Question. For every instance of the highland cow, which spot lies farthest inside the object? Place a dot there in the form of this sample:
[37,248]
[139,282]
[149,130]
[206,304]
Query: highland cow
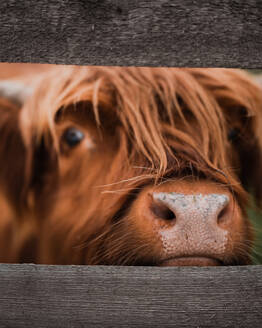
[130,166]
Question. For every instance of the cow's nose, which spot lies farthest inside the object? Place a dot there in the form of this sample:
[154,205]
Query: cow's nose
[191,210]
[188,223]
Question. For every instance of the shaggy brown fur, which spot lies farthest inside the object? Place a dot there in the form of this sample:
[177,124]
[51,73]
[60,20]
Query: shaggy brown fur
[143,127]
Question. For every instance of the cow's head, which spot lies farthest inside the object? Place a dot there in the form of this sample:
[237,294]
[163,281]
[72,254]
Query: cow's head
[143,166]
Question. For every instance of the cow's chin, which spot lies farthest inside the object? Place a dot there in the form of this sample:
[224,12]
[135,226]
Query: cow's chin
[191,261]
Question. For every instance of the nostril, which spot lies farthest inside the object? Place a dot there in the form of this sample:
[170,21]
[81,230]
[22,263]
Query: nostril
[223,214]
[163,212]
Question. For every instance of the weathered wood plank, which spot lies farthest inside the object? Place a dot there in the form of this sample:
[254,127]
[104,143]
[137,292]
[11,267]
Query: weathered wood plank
[142,33]
[97,296]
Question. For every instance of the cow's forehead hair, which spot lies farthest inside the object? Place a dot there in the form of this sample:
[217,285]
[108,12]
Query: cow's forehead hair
[147,102]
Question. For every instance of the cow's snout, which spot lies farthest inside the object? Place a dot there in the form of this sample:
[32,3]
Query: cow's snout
[197,224]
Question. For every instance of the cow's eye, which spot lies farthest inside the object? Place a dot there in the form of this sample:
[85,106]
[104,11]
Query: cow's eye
[233,134]
[73,136]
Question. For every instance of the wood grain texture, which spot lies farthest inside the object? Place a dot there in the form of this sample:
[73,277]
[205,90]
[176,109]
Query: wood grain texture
[97,296]
[141,33]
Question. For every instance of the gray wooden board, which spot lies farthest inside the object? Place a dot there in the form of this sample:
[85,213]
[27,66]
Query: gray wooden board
[100,296]
[138,32]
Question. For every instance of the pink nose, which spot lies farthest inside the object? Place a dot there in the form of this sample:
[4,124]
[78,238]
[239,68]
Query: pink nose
[192,225]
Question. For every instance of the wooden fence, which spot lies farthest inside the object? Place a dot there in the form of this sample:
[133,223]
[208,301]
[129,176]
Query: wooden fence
[142,33]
